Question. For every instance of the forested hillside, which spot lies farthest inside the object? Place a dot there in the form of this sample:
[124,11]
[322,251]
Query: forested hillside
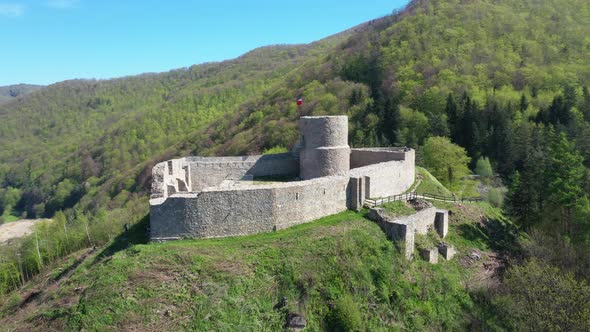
[392,76]
[76,135]
[504,79]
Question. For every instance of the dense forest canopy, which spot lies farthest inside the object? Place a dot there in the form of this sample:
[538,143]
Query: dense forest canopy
[507,80]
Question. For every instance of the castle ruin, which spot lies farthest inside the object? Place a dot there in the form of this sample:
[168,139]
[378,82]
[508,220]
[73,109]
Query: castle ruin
[206,197]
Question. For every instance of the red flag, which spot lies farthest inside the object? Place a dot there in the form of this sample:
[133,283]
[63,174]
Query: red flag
[299,102]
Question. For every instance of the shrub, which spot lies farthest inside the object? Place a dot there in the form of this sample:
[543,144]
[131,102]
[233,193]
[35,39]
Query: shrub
[483,167]
[346,315]
[495,197]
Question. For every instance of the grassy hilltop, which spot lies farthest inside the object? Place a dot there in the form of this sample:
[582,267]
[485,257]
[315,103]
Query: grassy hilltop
[339,272]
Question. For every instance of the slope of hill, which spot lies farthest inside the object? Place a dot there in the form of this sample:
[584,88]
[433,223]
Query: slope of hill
[11,92]
[340,272]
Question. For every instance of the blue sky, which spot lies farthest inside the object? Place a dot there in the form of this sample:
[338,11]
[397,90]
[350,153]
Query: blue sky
[47,41]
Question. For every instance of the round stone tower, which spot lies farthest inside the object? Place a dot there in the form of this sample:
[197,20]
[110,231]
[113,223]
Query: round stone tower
[324,146]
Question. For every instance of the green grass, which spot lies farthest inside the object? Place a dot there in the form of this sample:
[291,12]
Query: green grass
[9,217]
[466,188]
[430,184]
[481,226]
[426,241]
[398,209]
[333,271]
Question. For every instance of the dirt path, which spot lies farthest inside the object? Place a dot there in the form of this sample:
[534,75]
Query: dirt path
[416,184]
[17,229]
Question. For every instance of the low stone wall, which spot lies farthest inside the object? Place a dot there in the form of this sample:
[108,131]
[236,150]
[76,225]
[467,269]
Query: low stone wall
[210,172]
[197,173]
[402,230]
[253,209]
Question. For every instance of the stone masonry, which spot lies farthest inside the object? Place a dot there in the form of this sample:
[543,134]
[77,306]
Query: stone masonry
[200,197]
[403,230]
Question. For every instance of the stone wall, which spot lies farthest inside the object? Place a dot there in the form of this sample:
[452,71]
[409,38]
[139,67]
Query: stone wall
[197,173]
[253,209]
[387,178]
[188,201]
[170,177]
[403,229]
[309,200]
[393,173]
[211,172]
[370,156]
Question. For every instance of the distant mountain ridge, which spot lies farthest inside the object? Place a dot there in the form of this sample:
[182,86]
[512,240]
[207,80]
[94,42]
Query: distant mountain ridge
[11,92]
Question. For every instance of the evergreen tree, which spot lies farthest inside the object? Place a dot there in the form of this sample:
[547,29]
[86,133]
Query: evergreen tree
[566,175]
[452,116]
[518,201]
[559,112]
[483,167]
[569,97]
[391,119]
[528,191]
[585,107]
[524,103]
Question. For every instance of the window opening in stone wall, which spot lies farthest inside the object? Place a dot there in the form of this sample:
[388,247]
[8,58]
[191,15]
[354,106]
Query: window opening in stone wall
[297,196]
[170,167]
[185,168]
[171,190]
[181,185]
[324,191]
